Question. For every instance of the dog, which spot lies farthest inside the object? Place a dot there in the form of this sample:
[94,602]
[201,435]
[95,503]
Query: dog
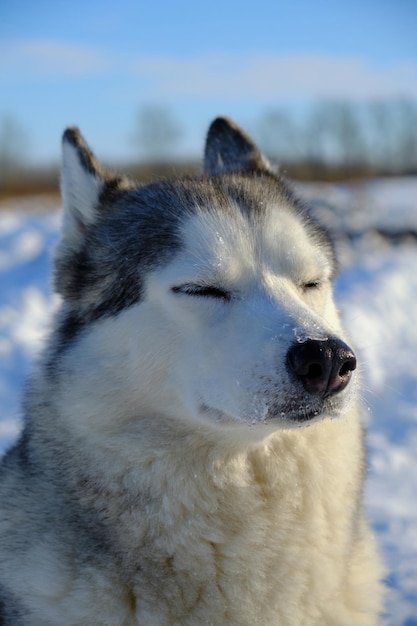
[192,451]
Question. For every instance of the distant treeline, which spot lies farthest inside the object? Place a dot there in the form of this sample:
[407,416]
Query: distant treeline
[343,139]
[331,140]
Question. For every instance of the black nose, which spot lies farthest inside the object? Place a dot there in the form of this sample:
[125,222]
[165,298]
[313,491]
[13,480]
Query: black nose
[323,367]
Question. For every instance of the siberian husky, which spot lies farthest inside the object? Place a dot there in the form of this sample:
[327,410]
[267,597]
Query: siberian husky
[192,451]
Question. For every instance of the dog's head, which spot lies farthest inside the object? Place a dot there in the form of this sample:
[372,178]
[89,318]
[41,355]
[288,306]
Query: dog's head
[203,298]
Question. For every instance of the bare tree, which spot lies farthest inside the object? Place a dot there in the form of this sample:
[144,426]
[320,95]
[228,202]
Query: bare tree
[157,132]
[407,135]
[392,134]
[13,149]
[381,134]
[279,136]
[335,136]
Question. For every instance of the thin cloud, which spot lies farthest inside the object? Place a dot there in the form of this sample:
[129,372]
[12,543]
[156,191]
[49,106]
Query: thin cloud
[256,77]
[50,59]
[276,76]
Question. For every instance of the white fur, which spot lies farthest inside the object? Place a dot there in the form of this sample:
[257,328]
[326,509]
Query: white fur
[248,523]
[238,521]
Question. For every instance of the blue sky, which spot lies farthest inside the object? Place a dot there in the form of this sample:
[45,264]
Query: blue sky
[93,63]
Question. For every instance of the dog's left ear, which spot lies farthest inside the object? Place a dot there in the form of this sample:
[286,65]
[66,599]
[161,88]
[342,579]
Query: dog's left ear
[229,149]
[82,180]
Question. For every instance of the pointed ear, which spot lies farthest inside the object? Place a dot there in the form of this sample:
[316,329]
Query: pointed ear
[229,149]
[82,180]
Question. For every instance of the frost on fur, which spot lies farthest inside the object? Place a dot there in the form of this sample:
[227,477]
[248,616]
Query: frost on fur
[82,180]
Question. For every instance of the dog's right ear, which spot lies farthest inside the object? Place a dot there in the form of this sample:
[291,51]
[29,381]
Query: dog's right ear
[82,180]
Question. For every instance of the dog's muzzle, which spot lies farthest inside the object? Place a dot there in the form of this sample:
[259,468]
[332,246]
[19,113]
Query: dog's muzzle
[323,367]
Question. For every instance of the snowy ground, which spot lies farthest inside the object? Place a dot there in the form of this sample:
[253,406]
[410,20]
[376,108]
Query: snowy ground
[376,226]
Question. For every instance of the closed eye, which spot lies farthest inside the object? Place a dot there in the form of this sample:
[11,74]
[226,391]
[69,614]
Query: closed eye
[203,291]
[313,284]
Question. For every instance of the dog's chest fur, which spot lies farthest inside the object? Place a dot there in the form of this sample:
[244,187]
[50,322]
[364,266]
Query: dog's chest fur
[201,534]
